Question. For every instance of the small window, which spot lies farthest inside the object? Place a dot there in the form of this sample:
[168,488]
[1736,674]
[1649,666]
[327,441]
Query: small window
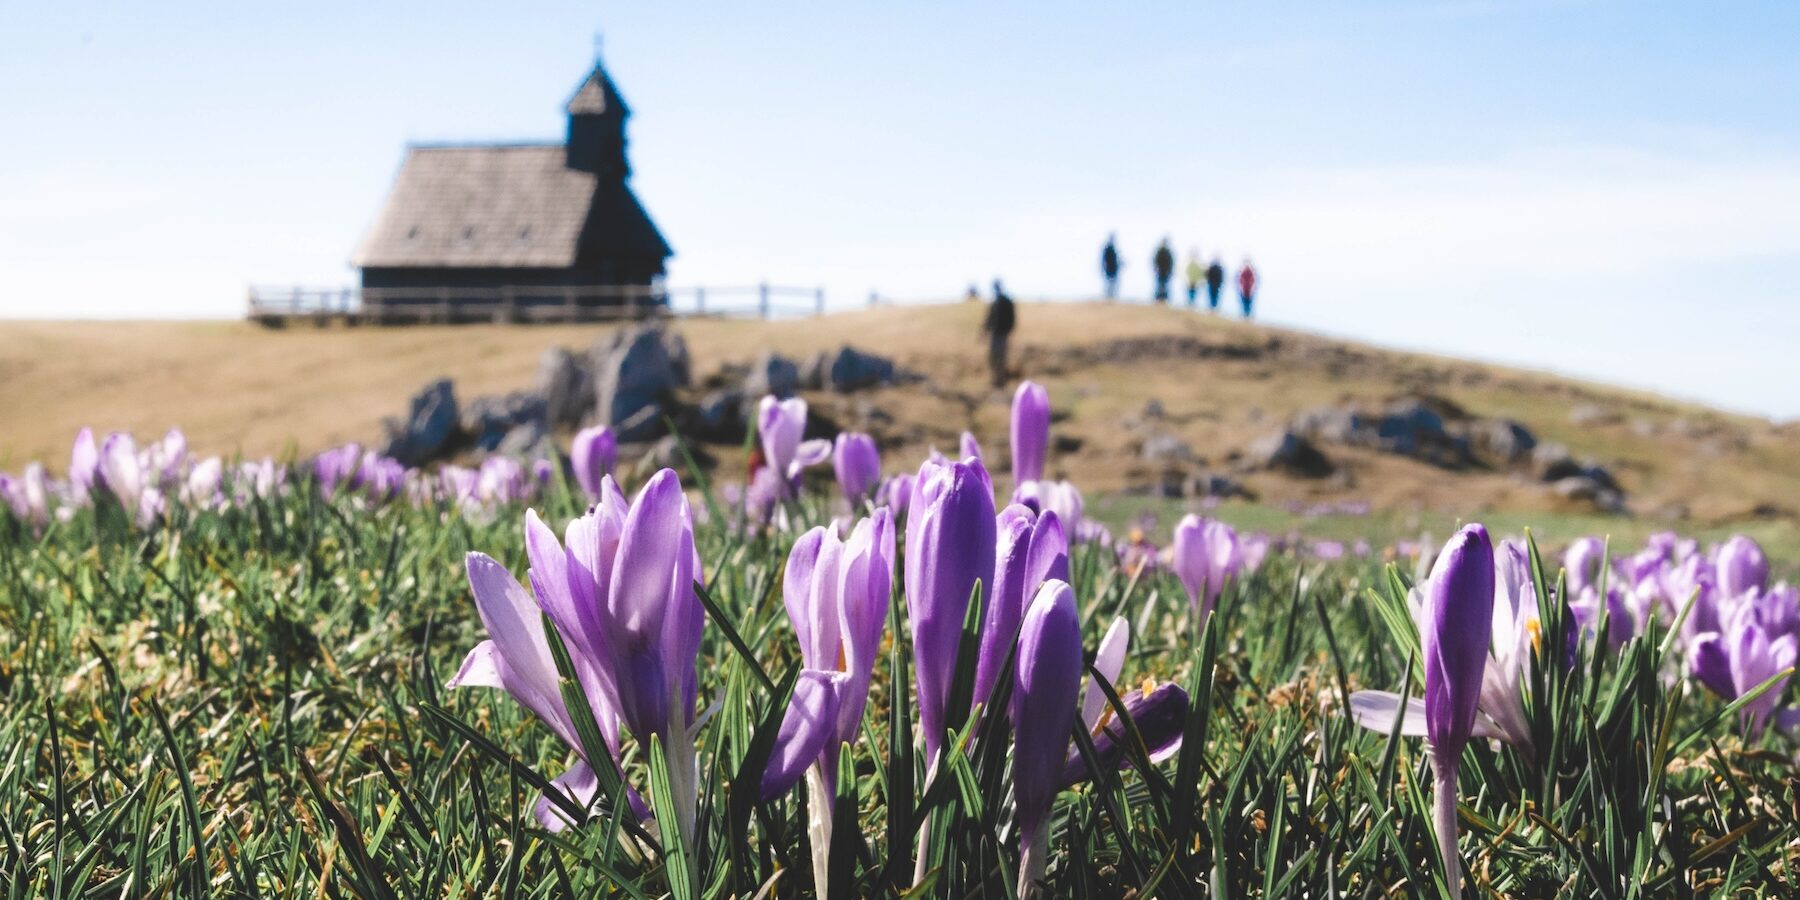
[412,233]
[525,234]
[468,232]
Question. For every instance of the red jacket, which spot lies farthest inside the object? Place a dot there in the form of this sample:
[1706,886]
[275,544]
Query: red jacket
[1246,281]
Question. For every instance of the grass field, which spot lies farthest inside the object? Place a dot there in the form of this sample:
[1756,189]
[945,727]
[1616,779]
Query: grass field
[251,701]
[234,387]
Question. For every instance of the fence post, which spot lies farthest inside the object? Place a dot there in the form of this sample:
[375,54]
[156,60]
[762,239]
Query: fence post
[762,303]
[819,299]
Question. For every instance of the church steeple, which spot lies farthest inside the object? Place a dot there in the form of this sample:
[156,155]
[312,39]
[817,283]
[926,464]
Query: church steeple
[597,117]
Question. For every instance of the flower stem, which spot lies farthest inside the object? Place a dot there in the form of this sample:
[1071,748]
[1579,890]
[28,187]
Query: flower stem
[819,800]
[1443,814]
[1033,858]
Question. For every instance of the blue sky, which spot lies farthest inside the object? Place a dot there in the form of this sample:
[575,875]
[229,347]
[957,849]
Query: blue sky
[1606,189]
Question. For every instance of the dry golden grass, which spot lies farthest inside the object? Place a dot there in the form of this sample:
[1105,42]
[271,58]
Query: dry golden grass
[235,387]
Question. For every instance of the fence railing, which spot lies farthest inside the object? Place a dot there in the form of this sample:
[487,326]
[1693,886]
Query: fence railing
[277,305]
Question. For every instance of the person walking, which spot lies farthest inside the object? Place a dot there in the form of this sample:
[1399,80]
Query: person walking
[999,327]
[1215,282]
[1109,268]
[1247,286]
[1195,274]
[1164,264]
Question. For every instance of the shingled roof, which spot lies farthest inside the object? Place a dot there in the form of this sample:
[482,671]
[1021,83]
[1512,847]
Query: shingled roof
[510,206]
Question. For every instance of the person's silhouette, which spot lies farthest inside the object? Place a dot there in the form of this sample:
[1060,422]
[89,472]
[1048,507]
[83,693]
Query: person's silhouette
[998,327]
[1247,286]
[1109,268]
[1164,264]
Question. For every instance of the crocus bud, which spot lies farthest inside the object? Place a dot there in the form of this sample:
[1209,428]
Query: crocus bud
[84,460]
[858,465]
[1742,567]
[949,547]
[1459,626]
[592,455]
[1030,431]
[1045,686]
[1159,715]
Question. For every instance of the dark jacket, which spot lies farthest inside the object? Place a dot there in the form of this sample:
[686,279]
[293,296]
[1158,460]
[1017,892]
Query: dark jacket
[1215,276]
[1164,262]
[1109,260]
[999,316]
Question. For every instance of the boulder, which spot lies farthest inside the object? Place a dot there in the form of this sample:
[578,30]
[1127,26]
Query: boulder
[720,417]
[1203,484]
[1583,489]
[1286,451]
[635,372]
[852,370]
[774,374]
[1505,441]
[1166,448]
[566,385]
[815,371]
[429,426]
[486,421]
[1590,414]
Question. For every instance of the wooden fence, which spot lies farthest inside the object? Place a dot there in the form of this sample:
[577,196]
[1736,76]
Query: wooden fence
[277,306]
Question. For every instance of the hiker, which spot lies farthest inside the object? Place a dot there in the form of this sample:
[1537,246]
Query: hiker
[1195,274]
[998,328]
[973,296]
[1215,281]
[1247,286]
[1164,264]
[1109,268]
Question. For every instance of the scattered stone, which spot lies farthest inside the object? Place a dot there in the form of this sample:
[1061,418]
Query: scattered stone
[1065,443]
[815,370]
[1203,484]
[1288,452]
[1583,489]
[1166,448]
[1153,410]
[487,421]
[635,370]
[771,374]
[428,428]
[1591,414]
[720,417]
[1504,440]
[527,441]
[852,370]
[566,385]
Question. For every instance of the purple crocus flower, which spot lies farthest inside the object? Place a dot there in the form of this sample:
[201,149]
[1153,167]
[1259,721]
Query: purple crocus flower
[1030,432]
[896,493]
[621,591]
[836,594]
[858,464]
[781,424]
[84,463]
[1204,555]
[1741,566]
[1159,713]
[29,494]
[950,541]
[1581,563]
[1030,549]
[1745,655]
[1109,661]
[334,467]
[1061,497]
[971,447]
[592,454]
[516,658]
[1045,686]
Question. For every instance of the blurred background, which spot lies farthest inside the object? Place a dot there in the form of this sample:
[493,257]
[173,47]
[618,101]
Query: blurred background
[1604,189]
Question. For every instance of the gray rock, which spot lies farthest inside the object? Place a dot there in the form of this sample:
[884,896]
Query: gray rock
[772,374]
[429,426]
[486,421]
[1285,451]
[634,371]
[1153,410]
[853,370]
[1504,440]
[1204,484]
[1166,448]
[1583,489]
[815,371]
[720,417]
[566,385]
[1588,414]
[528,440]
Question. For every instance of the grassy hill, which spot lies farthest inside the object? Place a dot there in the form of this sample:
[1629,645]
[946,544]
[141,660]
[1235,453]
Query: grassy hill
[1220,384]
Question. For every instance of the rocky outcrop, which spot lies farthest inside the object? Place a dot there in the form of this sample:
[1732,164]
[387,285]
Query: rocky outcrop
[429,428]
[636,372]
[1287,452]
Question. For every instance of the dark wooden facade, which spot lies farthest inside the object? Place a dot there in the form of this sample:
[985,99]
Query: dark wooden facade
[481,222]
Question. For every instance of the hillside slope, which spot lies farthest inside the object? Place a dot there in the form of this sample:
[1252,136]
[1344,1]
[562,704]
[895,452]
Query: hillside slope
[1220,385]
